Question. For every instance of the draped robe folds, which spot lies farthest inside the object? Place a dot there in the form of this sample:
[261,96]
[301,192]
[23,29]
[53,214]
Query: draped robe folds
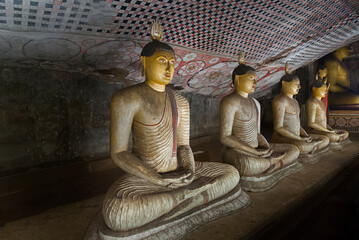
[132,202]
[247,131]
[291,122]
[317,108]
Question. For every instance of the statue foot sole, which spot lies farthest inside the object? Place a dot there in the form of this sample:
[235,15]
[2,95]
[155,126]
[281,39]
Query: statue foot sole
[262,183]
[175,228]
[311,158]
[337,146]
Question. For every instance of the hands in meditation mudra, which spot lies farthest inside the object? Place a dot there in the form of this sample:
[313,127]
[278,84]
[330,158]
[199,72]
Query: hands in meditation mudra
[286,120]
[244,146]
[162,180]
[316,112]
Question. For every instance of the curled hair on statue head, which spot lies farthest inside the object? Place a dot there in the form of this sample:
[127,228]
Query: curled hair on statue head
[241,69]
[318,84]
[288,77]
[154,46]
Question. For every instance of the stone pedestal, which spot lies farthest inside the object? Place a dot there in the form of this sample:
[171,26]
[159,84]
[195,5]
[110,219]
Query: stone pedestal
[267,181]
[338,146]
[175,228]
[311,158]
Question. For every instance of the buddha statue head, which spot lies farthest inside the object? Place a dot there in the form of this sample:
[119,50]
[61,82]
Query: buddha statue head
[342,52]
[320,89]
[322,72]
[158,60]
[244,77]
[290,83]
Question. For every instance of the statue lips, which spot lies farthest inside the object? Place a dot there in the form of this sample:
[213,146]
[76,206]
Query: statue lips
[167,76]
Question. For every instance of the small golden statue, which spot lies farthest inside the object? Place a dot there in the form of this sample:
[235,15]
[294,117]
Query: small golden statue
[317,116]
[259,163]
[340,95]
[286,121]
[162,180]
[322,76]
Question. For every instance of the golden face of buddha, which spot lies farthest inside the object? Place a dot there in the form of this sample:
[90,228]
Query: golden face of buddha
[246,82]
[159,68]
[320,92]
[291,87]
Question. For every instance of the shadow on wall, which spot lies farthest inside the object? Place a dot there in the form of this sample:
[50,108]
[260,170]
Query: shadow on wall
[50,118]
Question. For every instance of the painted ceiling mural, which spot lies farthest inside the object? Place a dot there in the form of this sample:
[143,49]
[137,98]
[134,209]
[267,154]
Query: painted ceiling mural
[91,35]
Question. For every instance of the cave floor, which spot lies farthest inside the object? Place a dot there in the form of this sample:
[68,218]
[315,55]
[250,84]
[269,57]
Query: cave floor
[299,206]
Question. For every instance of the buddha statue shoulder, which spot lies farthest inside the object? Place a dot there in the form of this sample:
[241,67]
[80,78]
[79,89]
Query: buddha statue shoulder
[162,180]
[316,114]
[286,119]
[244,145]
[340,95]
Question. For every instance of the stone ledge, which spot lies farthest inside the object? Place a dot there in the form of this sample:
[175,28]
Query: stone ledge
[277,208]
[268,209]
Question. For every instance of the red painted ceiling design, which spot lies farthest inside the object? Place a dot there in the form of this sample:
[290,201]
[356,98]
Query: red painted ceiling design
[207,35]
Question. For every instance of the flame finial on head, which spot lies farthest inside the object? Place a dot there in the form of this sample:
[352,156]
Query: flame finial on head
[287,68]
[241,58]
[156,30]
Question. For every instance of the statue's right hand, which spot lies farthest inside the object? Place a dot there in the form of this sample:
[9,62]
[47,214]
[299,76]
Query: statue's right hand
[175,179]
[263,152]
[307,138]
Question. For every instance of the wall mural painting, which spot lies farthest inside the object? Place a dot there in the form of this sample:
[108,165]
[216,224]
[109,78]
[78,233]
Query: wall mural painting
[88,36]
[51,49]
[195,71]
[5,45]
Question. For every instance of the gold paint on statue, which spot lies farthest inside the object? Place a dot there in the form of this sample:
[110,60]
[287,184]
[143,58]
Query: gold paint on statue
[244,146]
[317,116]
[158,69]
[161,173]
[340,93]
[322,74]
[286,120]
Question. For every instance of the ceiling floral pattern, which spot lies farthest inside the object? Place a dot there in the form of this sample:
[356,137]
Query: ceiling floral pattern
[92,35]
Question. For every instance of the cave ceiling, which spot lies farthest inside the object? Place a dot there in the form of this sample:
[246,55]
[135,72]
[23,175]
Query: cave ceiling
[93,35]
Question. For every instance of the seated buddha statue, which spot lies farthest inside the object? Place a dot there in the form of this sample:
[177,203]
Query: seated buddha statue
[317,116]
[162,180]
[244,146]
[340,95]
[286,121]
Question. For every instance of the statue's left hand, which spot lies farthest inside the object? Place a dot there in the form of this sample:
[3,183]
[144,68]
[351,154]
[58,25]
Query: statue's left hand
[190,174]
[179,178]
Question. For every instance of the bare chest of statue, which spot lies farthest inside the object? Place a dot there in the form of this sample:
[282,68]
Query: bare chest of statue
[291,106]
[291,119]
[244,109]
[153,106]
[320,113]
